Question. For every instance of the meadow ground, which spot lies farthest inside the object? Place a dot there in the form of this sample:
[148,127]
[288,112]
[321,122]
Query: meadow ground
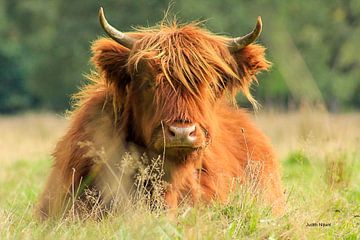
[320,157]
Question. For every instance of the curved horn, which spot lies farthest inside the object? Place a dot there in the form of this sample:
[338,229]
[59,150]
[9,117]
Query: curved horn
[115,34]
[238,43]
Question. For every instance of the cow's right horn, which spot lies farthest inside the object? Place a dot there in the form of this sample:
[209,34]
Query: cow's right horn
[240,42]
[115,34]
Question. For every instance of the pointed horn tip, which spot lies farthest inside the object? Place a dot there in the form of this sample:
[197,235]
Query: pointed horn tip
[101,11]
[101,15]
[259,23]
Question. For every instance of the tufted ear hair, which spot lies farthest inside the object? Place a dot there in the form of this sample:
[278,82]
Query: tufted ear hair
[110,60]
[250,61]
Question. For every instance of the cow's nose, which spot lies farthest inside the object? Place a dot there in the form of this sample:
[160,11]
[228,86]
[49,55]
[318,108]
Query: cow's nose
[182,134]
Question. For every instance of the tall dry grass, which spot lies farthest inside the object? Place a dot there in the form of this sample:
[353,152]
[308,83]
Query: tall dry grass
[316,132]
[29,136]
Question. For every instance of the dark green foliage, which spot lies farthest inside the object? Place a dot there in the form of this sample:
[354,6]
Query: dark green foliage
[13,96]
[313,46]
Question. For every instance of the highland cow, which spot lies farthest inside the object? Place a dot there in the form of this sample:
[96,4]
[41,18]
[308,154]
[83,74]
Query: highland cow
[166,91]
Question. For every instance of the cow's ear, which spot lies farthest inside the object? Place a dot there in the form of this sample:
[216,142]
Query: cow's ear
[250,61]
[110,59]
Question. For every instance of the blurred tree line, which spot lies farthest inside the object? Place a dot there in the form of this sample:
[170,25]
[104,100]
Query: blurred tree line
[44,48]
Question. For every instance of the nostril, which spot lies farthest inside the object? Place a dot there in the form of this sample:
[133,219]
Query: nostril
[171,133]
[193,133]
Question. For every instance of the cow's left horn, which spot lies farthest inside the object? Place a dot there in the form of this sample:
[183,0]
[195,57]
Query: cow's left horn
[115,34]
[238,43]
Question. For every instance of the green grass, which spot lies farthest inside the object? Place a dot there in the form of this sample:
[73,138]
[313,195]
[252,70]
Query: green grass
[322,187]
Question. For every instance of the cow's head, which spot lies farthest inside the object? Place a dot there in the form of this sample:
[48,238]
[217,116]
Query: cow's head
[168,80]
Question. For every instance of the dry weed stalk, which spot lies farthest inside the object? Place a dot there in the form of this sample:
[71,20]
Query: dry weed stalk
[146,193]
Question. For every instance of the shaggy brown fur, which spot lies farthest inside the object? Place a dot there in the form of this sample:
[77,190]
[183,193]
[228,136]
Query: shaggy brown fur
[173,72]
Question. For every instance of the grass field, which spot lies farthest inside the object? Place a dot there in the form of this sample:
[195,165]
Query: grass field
[320,156]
